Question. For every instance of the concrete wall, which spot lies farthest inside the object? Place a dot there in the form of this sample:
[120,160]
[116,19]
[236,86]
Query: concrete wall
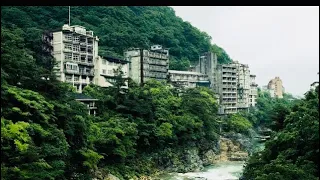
[104,70]
[187,79]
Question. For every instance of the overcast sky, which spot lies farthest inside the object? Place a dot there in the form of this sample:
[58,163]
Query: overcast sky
[273,41]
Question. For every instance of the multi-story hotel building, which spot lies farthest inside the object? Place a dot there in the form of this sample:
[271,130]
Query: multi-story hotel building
[148,64]
[253,91]
[75,50]
[243,86]
[227,80]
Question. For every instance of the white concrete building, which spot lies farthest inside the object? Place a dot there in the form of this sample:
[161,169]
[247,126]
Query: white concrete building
[88,101]
[253,91]
[148,64]
[104,70]
[243,86]
[75,50]
[227,80]
[188,79]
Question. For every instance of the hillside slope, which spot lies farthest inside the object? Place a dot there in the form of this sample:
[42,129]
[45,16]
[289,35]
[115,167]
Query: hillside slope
[119,28]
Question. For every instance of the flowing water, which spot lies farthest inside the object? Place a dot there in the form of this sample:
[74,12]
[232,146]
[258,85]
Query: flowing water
[219,171]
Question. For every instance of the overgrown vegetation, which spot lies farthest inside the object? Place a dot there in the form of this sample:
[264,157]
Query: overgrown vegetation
[118,28]
[293,151]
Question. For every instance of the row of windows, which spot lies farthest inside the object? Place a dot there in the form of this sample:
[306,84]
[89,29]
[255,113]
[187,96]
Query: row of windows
[76,78]
[70,38]
[110,72]
[104,62]
[77,38]
[72,47]
[72,67]
[75,57]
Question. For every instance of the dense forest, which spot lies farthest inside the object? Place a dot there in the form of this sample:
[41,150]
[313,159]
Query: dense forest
[119,28]
[293,150]
[46,134]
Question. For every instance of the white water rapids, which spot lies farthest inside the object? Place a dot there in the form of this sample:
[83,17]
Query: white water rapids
[219,171]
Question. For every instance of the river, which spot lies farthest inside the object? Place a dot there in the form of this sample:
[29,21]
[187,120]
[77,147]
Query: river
[230,170]
[219,171]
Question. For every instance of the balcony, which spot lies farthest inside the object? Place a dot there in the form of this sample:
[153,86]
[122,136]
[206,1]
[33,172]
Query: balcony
[69,71]
[89,33]
[84,81]
[83,44]
[83,52]
[228,86]
[67,40]
[76,52]
[69,80]
[228,80]
[86,72]
[76,81]
[67,50]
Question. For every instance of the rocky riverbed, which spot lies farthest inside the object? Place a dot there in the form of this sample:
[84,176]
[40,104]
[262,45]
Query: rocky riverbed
[224,161]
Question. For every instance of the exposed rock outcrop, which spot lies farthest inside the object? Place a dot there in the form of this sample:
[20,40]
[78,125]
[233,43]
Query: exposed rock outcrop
[102,175]
[231,151]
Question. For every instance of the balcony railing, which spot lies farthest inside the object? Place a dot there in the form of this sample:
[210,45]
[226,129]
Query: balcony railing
[87,73]
[69,71]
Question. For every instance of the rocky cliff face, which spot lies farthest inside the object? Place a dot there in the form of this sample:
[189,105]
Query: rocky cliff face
[101,174]
[233,148]
[186,161]
[229,151]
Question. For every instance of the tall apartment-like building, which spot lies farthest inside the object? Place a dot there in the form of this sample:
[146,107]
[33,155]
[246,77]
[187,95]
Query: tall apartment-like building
[227,81]
[75,50]
[208,65]
[253,91]
[276,85]
[148,64]
[243,86]
[104,70]
[188,79]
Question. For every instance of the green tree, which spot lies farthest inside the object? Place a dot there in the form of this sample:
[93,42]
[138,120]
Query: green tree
[293,151]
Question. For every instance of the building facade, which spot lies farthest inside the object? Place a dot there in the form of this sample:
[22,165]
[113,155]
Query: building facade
[105,70]
[253,91]
[227,81]
[75,50]
[243,86]
[188,79]
[276,86]
[208,65]
[88,101]
[148,64]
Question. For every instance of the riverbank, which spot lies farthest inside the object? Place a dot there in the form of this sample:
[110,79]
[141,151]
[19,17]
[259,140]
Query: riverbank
[225,159]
